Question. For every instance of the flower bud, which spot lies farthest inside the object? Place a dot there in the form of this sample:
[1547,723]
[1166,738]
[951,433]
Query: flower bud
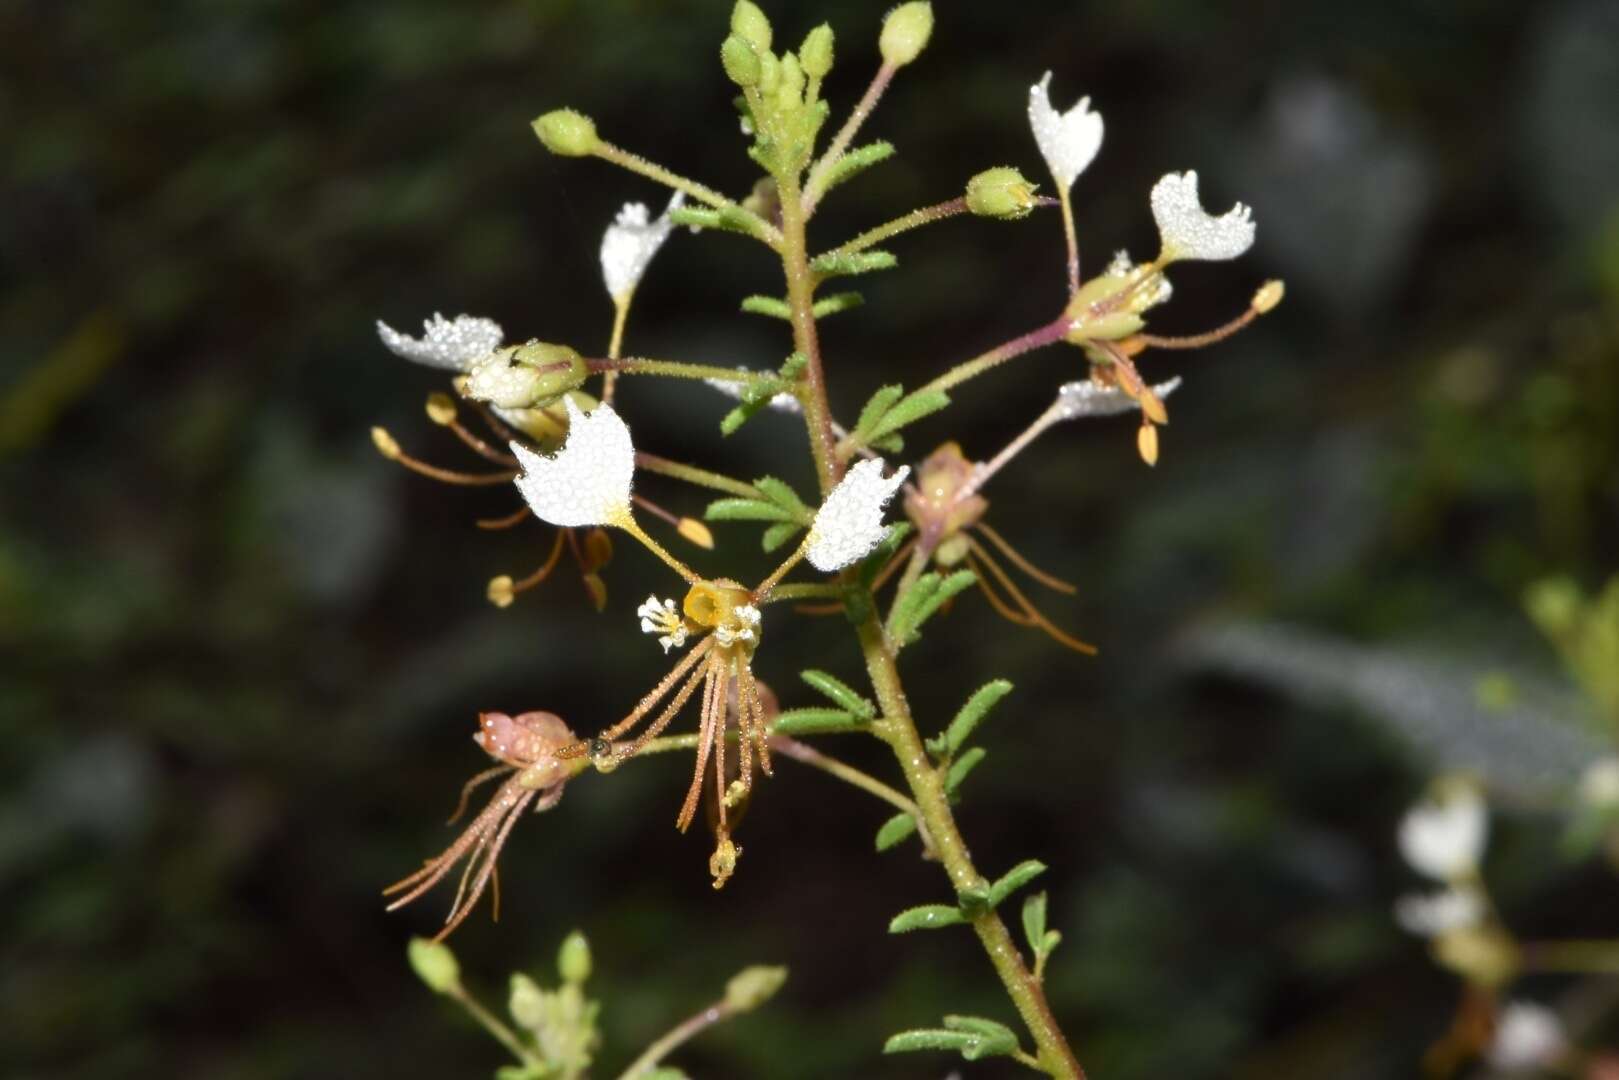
[748,22]
[905,32]
[435,965]
[741,63]
[567,133]
[752,987]
[573,959]
[816,52]
[526,1002]
[523,376]
[1001,192]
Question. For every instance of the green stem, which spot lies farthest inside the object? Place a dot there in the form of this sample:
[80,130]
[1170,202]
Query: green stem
[675,369]
[491,1023]
[1572,957]
[691,474]
[927,786]
[637,164]
[808,755]
[615,342]
[1049,334]
[915,219]
[815,186]
[804,591]
[673,1038]
[801,300]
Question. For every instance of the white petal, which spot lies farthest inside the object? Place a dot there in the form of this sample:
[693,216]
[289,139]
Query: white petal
[588,481]
[1077,400]
[452,345]
[629,244]
[1190,232]
[1442,912]
[1527,1036]
[850,522]
[1068,141]
[1445,838]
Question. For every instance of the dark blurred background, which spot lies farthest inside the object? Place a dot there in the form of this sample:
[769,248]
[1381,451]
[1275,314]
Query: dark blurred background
[241,654]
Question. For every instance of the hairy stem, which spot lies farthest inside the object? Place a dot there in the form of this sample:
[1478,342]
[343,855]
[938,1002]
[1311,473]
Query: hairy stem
[691,474]
[915,219]
[672,1039]
[491,1023]
[637,365]
[801,300]
[815,187]
[1049,334]
[788,746]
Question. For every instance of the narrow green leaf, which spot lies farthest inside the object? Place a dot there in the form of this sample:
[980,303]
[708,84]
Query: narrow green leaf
[973,1037]
[895,830]
[892,444]
[928,1039]
[1014,879]
[925,917]
[837,302]
[1034,921]
[779,533]
[908,411]
[858,161]
[840,692]
[784,497]
[696,217]
[963,765]
[772,306]
[733,509]
[902,620]
[985,698]
[792,367]
[845,263]
[817,721]
[980,1025]
[876,408]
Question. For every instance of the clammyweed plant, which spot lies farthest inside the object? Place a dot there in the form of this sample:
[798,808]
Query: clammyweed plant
[559,437]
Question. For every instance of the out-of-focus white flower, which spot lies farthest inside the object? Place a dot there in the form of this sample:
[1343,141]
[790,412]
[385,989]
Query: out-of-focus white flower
[1068,141]
[1077,400]
[630,242]
[449,344]
[1599,784]
[587,482]
[663,618]
[1527,1036]
[1187,231]
[1443,836]
[742,626]
[850,521]
[1442,912]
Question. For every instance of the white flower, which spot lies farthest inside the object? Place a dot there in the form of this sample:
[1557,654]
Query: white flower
[743,626]
[1441,912]
[1190,232]
[1068,141]
[588,481]
[1443,836]
[662,617]
[1599,785]
[446,344]
[1084,398]
[850,522]
[629,244]
[1527,1036]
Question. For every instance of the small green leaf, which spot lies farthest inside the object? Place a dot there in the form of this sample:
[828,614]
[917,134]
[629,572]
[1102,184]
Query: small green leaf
[985,698]
[974,1037]
[963,765]
[928,1039]
[836,303]
[785,497]
[925,917]
[1034,921]
[845,263]
[891,444]
[876,407]
[858,161]
[792,367]
[922,601]
[735,509]
[974,900]
[1014,879]
[767,305]
[779,533]
[895,830]
[840,692]
[817,721]
[980,1025]
[907,411]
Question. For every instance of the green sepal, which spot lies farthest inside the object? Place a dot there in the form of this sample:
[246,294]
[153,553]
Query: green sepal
[846,263]
[985,698]
[961,767]
[858,161]
[840,692]
[895,830]
[926,917]
[1014,879]
[817,721]
[779,533]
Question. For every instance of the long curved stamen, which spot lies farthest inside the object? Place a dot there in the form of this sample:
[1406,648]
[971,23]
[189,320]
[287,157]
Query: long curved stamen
[390,449]
[1050,581]
[476,834]
[656,694]
[1198,341]
[459,915]
[979,557]
[470,785]
[664,718]
[518,515]
[705,737]
[479,447]
[545,569]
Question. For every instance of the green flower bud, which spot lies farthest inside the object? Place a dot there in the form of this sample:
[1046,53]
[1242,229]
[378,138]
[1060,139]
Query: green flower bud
[752,987]
[816,52]
[769,73]
[526,1003]
[791,90]
[435,965]
[905,32]
[567,133]
[749,22]
[573,959]
[525,376]
[1001,192]
[741,63]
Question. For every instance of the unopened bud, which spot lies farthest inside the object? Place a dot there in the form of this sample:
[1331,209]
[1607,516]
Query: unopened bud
[573,959]
[740,61]
[500,591]
[384,443]
[523,376]
[750,23]
[567,133]
[696,532]
[816,52]
[526,1002]
[753,986]
[440,408]
[1001,192]
[435,965]
[905,32]
[1269,295]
